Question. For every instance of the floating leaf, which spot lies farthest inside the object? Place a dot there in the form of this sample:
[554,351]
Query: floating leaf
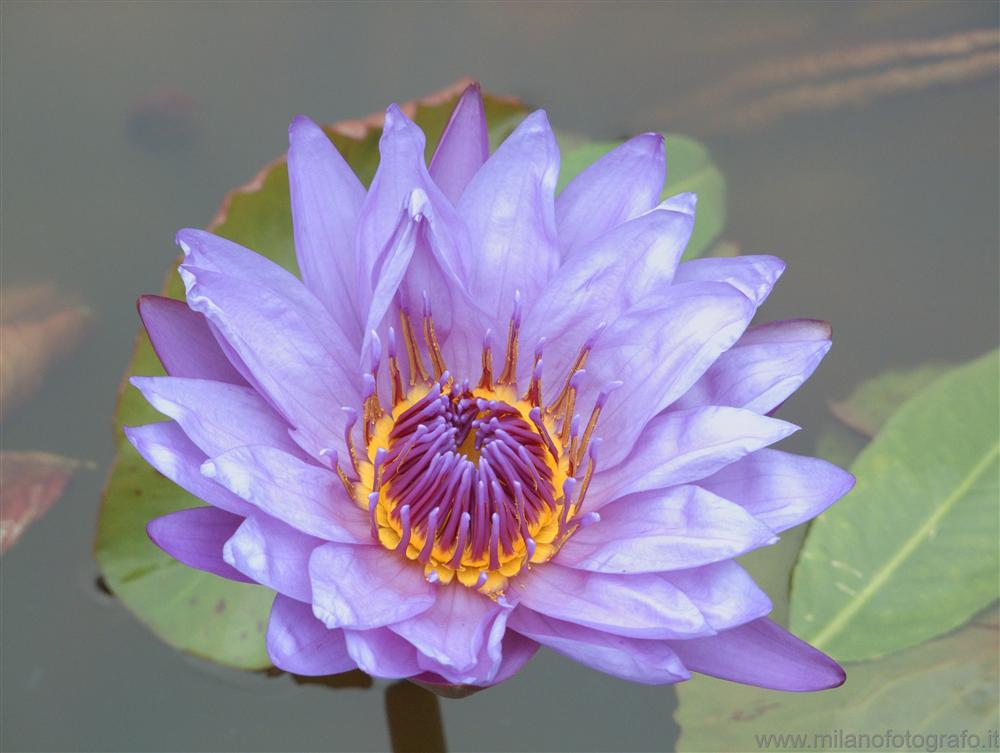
[201,613]
[873,401]
[689,168]
[30,483]
[912,552]
[839,444]
[946,686]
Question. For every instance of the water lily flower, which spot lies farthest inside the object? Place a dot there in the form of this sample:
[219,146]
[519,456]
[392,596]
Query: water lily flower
[488,418]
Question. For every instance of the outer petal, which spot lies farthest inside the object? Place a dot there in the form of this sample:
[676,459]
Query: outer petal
[488,657]
[780,489]
[754,276]
[464,145]
[167,448]
[299,643]
[296,352]
[326,199]
[646,661]
[724,592]
[273,554]
[362,587]
[509,210]
[208,252]
[622,184]
[516,651]
[767,365]
[183,342]
[761,653]
[452,631]
[215,415]
[659,349]
[307,497]
[382,653]
[195,537]
[670,529]
[683,446]
[637,606]
[604,279]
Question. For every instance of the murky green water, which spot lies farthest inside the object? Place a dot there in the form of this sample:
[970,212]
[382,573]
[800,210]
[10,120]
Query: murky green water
[885,209]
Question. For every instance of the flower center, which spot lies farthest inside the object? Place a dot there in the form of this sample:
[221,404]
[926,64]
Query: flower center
[474,483]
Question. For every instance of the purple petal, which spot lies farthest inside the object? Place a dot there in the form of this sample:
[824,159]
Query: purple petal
[646,661]
[604,279]
[362,587]
[486,660]
[326,198]
[382,653]
[622,184]
[763,654]
[464,145]
[509,210]
[516,651]
[167,448]
[298,355]
[754,276]
[183,342]
[659,349]
[428,242]
[299,643]
[767,365]
[452,631]
[724,592]
[260,276]
[196,537]
[215,415]
[636,606]
[680,447]
[668,529]
[306,497]
[780,489]
[273,554]
[410,265]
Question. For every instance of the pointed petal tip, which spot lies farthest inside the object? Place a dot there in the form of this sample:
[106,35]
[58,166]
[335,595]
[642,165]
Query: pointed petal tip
[686,203]
[302,125]
[394,118]
[155,529]
[650,141]
[187,236]
[472,91]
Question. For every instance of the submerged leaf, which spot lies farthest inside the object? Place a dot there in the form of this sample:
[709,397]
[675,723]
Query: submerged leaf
[912,551]
[37,326]
[30,483]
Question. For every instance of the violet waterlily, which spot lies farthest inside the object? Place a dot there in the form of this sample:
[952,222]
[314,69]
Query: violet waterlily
[488,418]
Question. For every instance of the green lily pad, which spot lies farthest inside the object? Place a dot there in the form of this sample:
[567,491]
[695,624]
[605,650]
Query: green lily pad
[943,687]
[871,403]
[200,613]
[912,552]
[689,168]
